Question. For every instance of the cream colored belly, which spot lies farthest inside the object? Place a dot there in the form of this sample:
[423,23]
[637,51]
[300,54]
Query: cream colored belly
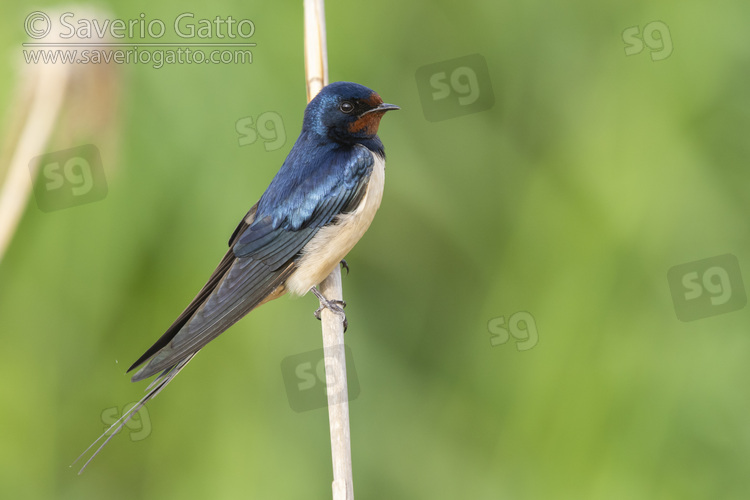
[331,244]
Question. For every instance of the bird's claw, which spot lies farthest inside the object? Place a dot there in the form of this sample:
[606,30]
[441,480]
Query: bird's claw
[345,266]
[335,306]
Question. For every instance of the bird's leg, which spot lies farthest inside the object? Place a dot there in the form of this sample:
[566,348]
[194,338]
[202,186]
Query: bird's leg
[336,306]
[345,266]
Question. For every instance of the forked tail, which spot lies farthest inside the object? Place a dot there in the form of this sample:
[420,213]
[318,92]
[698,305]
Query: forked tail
[154,388]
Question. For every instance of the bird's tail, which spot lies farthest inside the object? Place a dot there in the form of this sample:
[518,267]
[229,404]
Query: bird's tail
[154,388]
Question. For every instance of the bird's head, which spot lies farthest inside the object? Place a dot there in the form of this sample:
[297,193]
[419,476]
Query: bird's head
[346,112]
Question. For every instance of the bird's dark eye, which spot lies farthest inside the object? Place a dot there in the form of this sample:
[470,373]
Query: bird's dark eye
[346,107]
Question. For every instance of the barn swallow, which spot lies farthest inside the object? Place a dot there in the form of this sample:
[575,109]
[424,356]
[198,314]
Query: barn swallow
[316,208]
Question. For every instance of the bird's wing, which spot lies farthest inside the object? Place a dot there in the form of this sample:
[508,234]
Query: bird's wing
[296,205]
[209,287]
[260,260]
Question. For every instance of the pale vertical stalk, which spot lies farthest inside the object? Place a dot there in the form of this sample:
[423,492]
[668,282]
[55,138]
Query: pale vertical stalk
[56,105]
[45,91]
[316,74]
[316,53]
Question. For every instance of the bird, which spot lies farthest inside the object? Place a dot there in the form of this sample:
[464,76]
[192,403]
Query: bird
[316,208]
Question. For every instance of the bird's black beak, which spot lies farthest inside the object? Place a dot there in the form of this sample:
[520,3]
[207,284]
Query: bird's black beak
[381,107]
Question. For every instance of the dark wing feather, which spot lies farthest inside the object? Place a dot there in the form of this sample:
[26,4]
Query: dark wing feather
[207,289]
[245,285]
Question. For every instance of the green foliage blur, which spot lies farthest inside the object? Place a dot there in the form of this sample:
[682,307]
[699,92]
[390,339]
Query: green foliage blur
[591,175]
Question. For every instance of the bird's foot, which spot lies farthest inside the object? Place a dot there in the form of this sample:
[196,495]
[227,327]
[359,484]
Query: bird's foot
[336,306]
[345,266]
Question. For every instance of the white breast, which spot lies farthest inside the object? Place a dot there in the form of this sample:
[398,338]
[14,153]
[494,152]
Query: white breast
[331,243]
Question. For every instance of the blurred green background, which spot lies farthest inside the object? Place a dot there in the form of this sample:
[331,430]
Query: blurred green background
[592,174]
